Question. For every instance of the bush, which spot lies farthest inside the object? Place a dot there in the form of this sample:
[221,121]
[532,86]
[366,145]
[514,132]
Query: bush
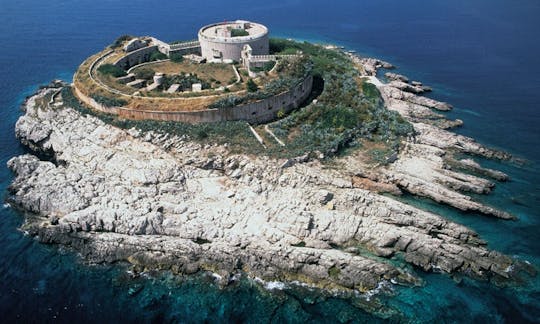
[144,73]
[120,40]
[176,57]
[251,86]
[157,55]
[109,102]
[113,70]
[265,68]
[186,82]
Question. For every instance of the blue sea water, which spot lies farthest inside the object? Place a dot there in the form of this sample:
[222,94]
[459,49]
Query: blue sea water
[483,56]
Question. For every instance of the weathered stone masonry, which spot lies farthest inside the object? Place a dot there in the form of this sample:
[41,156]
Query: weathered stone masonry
[258,112]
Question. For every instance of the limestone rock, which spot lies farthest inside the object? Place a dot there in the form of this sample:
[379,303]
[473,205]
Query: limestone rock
[164,202]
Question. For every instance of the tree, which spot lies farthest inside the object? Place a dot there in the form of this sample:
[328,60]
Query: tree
[251,86]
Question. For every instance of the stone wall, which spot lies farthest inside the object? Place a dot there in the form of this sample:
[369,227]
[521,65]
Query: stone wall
[136,57]
[256,112]
[196,49]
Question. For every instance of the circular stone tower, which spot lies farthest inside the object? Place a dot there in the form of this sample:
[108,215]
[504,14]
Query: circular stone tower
[223,42]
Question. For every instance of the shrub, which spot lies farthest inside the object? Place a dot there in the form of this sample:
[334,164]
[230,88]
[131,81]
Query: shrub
[120,40]
[113,70]
[176,57]
[185,81]
[334,272]
[265,68]
[157,55]
[109,102]
[251,86]
[144,73]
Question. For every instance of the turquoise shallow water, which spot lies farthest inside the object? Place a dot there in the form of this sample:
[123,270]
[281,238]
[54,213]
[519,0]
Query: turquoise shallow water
[482,56]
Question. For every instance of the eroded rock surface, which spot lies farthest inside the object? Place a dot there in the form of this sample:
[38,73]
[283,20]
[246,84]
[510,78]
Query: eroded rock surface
[160,201]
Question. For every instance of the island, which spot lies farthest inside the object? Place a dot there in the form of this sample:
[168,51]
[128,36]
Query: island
[243,155]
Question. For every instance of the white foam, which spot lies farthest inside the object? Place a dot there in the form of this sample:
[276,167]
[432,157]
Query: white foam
[270,285]
[6,206]
[278,285]
[382,285]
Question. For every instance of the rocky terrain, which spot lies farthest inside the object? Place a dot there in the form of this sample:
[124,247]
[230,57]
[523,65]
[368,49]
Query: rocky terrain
[164,202]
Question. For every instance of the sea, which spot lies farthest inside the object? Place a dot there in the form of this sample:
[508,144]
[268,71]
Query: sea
[482,56]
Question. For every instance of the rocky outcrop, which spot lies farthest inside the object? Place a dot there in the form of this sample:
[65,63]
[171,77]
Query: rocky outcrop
[161,201]
[425,164]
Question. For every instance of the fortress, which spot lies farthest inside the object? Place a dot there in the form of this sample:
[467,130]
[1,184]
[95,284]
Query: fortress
[227,74]
[225,41]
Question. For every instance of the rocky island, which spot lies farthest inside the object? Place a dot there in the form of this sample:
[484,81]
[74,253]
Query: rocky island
[310,197]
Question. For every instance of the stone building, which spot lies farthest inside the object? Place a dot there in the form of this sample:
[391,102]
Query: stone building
[223,42]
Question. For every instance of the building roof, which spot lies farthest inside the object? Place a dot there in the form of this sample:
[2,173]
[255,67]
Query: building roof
[223,30]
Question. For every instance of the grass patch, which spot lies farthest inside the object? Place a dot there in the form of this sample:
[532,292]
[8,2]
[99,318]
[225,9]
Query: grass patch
[109,102]
[334,272]
[238,32]
[113,70]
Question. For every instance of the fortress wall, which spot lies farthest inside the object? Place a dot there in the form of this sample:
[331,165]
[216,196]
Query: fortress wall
[196,49]
[267,109]
[136,57]
[256,112]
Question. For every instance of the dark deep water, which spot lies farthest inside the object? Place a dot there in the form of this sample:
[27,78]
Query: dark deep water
[483,56]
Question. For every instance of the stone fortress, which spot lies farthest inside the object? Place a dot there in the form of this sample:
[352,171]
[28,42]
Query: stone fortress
[226,41]
[240,44]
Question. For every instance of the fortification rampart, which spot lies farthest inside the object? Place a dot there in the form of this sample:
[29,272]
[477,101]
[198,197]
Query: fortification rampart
[257,112]
[136,57]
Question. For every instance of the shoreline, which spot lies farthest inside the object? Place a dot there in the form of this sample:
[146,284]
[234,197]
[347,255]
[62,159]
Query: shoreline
[56,229]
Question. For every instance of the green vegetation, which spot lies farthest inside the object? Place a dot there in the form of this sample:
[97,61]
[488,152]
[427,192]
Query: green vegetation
[144,73]
[265,68]
[238,32]
[120,40]
[291,73]
[184,80]
[113,70]
[347,112]
[156,56]
[334,272]
[251,86]
[109,102]
[176,57]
